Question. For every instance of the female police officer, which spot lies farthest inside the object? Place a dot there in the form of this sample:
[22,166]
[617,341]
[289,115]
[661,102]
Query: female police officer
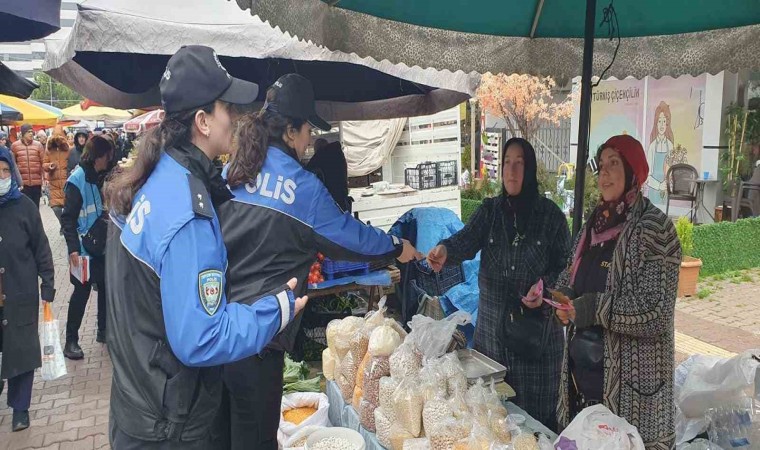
[170,326]
[281,216]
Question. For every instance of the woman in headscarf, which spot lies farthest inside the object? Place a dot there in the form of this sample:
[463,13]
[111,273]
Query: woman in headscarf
[25,256]
[525,239]
[622,286]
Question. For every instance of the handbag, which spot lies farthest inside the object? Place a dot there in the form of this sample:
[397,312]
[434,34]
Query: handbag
[525,333]
[94,241]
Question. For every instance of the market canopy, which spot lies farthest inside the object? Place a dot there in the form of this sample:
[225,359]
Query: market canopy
[34,113]
[9,115]
[96,113]
[118,49]
[14,84]
[658,38]
[26,20]
[144,122]
[560,38]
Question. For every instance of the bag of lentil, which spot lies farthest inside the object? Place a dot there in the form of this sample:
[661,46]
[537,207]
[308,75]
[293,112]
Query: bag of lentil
[408,403]
[320,417]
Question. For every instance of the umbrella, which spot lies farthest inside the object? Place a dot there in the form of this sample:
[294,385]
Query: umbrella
[96,113]
[645,37]
[15,85]
[34,113]
[9,115]
[26,20]
[144,121]
[118,49]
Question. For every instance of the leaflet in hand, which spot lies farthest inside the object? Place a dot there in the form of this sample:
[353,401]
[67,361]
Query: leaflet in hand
[82,271]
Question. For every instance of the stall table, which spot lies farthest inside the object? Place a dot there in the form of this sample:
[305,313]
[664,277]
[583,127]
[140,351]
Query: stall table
[344,415]
[377,282]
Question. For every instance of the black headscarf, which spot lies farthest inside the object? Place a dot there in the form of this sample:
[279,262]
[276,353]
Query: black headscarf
[518,208]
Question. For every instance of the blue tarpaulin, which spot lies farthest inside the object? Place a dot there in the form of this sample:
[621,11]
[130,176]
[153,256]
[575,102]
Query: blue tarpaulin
[425,228]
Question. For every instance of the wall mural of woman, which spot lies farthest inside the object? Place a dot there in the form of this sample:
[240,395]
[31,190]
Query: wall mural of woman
[661,145]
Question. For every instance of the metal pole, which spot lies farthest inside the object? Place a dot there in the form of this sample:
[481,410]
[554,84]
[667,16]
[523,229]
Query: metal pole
[585,115]
[474,118]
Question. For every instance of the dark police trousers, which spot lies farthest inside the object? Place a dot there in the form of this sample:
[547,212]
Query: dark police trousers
[252,400]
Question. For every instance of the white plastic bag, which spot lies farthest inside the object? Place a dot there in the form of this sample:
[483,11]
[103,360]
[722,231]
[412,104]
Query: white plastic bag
[383,341]
[53,364]
[433,337]
[328,364]
[298,440]
[596,427]
[710,382]
[298,400]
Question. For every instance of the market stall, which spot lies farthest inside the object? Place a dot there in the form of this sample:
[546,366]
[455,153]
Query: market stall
[400,390]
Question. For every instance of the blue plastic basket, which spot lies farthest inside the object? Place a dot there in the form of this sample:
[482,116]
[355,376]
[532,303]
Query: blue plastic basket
[334,269]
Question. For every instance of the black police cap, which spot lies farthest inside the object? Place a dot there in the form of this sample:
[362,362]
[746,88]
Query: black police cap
[294,97]
[194,77]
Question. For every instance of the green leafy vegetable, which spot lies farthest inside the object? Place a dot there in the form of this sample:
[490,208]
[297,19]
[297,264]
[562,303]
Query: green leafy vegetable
[311,385]
[294,371]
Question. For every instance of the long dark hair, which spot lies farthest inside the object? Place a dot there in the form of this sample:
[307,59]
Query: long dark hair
[256,131]
[174,130]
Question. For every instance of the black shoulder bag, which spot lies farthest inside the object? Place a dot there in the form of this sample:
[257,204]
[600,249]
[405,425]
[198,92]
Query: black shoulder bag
[94,242]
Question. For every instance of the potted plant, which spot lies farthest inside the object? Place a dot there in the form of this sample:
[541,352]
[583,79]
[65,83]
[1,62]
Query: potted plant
[690,266]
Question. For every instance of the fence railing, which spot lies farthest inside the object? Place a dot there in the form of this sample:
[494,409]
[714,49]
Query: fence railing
[551,142]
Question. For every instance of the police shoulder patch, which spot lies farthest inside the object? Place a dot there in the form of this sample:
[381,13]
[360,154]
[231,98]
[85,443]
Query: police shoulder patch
[210,288]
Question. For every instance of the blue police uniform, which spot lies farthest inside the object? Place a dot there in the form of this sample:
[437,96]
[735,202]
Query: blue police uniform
[170,324]
[273,228]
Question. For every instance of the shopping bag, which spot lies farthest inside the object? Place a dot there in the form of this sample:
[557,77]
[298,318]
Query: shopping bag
[53,364]
[596,427]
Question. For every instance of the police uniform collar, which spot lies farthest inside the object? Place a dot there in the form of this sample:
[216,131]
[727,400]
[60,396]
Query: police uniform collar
[200,166]
[285,149]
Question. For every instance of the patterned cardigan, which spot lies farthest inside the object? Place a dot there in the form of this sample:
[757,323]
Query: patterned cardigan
[637,315]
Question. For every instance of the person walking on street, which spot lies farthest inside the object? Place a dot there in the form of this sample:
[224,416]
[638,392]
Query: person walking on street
[30,156]
[56,167]
[4,146]
[80,139]
[524,239]
[42,138]
[25,257]
[170,324]
[82,211]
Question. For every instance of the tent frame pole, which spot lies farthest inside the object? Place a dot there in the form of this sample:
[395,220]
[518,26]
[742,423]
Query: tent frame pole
[585,115]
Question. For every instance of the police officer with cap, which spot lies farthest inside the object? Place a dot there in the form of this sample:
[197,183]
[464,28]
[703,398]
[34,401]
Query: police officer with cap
[170,326]
[292,217]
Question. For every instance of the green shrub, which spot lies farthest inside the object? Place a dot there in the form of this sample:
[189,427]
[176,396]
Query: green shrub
[703,293]
[468,208]
[685,231]
[727,246]
[487,189]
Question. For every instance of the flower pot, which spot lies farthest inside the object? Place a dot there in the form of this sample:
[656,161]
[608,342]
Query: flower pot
[688,276]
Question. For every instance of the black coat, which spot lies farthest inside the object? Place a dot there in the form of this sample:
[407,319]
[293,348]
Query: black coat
[24,255]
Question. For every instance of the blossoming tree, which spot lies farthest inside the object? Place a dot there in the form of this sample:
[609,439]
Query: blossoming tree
[523,101]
